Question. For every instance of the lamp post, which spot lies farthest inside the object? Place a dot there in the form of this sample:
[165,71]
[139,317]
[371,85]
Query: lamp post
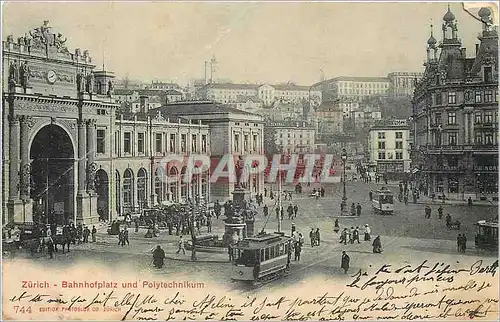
[344,197]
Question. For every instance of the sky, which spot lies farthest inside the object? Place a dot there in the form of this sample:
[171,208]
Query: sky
[252,42]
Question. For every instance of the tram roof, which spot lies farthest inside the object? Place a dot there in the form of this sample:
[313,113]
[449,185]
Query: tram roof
[487,223]
[260,241]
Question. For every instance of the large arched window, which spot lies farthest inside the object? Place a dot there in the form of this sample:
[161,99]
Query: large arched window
[173,183]
[141,188]
[159,185]
[184,191]
[128,193]
[117,192]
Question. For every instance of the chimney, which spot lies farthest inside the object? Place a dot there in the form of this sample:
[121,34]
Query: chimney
[477,48]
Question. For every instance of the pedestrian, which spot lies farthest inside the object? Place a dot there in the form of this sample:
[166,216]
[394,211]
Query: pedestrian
[464,243]
[293,228]
[367,232]
[180,244]
[271,195]
[295,210]
[158,257]
[316,237]
[356,235]
[351,236]
[298,249]
[317,194]
[459,243]
[353,209]
[343,236]
[440,212]
[322,192]
[266,211]
[120,238]
[311,236]
[469,202]
[282,213]
[265,192]
[348,236]
[136,223]
[209,224]
[345,262]
[94,232]
[125,237]
[377,245]
[370,195]
[277,213]
[50,247]
[229,252]
[358,209]
[336,226]
[86,233]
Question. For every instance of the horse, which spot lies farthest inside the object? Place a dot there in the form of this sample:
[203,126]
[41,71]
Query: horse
[64,239]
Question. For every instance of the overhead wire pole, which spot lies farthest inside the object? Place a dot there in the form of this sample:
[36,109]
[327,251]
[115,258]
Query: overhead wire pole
[190,197]
[279,198]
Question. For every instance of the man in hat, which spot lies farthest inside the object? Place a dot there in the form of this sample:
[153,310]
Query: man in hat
[367,232]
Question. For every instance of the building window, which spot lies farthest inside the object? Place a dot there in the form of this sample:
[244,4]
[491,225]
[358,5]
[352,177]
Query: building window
[399,135]
[158,142]
[381,135]
[381,155]
[488,117]
[117,142]
[452,138]
[183,143]
[381,145]
[478,97]
[203,143]
[488,138]
[140,142]
[438,119]
[439,100]
[452,185]
[194,143]
[399,155]
[478,118]
[479,138]
[452,118]
[127,142]
[452,98]
[488,96]
[487,74]
[255,142]
[399,145]
[101,140]
[245,143]
[172,143]
[236,143]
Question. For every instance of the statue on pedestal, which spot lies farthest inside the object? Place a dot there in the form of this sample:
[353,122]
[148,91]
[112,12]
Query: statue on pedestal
[13,73]
[89,86]
[24,72]
[239,166]
[110,88]
[79,82]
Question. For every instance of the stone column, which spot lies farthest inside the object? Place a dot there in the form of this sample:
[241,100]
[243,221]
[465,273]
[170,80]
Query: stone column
[467,123]
[14,157]
[90,149]
[25,165]
[82,148]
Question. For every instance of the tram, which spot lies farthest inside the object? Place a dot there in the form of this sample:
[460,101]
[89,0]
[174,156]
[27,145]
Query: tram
[261,257]
[383,201]
[487,235]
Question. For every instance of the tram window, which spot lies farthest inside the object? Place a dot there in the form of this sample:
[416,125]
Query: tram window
[277,250]
[262,255]
[267,254]
[247,258]
[272,252]
[386,199]
[282,249]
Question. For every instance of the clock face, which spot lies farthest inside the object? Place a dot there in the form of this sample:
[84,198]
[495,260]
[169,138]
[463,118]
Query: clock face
[51,77]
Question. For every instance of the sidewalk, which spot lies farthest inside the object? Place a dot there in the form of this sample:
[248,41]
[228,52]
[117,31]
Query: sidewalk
[427,200]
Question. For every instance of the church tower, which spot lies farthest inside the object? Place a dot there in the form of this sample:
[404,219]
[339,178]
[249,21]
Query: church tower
[431,48]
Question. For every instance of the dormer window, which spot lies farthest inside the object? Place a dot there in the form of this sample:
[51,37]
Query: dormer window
[488,74]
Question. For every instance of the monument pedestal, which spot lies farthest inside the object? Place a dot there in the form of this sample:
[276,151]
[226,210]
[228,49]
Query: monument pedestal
[86,208]
[20,211]
[250,224]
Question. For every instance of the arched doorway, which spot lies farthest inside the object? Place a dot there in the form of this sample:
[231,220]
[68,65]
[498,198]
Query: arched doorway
[159,186]
[128,191]
[102,190]
[52,176]
[142,198]
[118,192]
[174,183]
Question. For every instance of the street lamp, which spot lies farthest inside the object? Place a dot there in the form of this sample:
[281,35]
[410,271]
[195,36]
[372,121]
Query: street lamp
[344,197]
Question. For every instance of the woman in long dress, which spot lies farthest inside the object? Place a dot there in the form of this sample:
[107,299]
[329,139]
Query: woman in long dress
[158,257]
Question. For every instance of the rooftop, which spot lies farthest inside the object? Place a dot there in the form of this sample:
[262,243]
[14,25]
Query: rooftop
[198,108]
